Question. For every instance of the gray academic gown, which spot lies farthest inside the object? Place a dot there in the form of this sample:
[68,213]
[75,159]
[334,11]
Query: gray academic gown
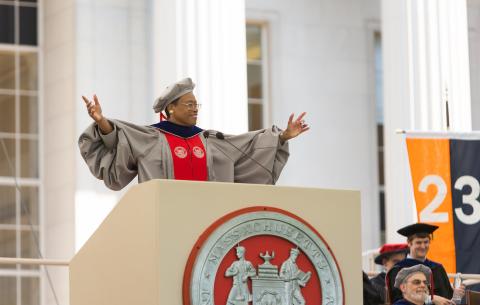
[131,150]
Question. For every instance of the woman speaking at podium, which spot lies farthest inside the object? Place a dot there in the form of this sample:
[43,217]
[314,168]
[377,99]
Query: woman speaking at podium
[117,151]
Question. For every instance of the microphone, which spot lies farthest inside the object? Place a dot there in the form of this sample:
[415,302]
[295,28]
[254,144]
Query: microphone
[206,134]
[219,135]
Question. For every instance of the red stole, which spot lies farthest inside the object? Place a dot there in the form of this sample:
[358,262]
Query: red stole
[189,157]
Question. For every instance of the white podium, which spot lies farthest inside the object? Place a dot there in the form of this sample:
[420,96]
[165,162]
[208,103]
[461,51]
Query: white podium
[139,253]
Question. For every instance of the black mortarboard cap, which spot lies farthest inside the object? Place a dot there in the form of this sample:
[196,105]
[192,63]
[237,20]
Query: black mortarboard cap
[417,228]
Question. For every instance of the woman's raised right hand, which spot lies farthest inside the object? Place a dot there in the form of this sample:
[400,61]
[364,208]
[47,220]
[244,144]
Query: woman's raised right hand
[95,112]
[93,108]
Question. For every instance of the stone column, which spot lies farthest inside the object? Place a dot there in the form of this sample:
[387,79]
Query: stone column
[425,54]
[206,41]
[57,26]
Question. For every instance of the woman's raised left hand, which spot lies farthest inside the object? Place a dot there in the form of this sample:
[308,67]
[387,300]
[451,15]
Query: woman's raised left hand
[295,127]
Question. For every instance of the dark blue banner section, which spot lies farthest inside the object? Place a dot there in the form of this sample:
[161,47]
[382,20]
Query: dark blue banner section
[465,177]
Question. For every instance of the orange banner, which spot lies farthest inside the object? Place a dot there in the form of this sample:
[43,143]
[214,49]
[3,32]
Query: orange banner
[430,169]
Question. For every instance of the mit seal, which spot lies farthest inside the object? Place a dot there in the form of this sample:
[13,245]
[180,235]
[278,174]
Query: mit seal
[262,256]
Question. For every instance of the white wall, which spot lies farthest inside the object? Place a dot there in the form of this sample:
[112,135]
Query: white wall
[321,58]
[113,60]
[474,54]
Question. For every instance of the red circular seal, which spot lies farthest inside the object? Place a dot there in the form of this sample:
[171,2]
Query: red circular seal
[198,152]
[180,152]
[258,256]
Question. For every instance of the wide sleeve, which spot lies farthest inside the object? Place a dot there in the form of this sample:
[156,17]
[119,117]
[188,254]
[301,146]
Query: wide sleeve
[370,294]
[378,283]
[114,157]
[260,156]
[442,285]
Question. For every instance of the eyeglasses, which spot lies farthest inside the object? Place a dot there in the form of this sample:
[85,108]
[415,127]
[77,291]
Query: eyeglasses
[418,282]
[192,106]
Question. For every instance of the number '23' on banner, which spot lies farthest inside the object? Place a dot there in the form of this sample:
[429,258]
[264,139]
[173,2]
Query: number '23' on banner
[445,174]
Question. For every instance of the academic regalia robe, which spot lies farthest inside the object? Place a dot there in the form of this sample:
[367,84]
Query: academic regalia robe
[441,284]
[187,151]
[370,294]
[131,150]
[379,283]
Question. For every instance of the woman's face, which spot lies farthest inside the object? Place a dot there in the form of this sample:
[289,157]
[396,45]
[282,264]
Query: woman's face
[185,111]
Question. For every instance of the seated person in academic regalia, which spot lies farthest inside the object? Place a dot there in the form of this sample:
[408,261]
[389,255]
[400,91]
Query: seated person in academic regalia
[117,151]
[413,283]
[419,236]
[390,254]
[371,296]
